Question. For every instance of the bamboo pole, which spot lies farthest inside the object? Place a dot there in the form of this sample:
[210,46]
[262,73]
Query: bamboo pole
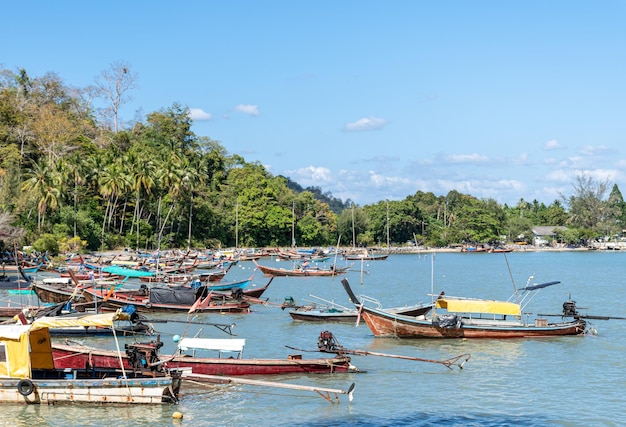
[322,391]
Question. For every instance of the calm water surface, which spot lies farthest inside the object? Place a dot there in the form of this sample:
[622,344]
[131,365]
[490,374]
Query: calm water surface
[570,381]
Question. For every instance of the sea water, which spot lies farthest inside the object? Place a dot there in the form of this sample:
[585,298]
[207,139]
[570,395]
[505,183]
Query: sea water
[566,381]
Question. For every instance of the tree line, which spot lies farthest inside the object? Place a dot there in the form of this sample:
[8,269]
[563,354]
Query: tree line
[75,177]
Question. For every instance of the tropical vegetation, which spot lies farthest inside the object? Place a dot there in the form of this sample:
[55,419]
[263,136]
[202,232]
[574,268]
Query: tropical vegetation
[76,177]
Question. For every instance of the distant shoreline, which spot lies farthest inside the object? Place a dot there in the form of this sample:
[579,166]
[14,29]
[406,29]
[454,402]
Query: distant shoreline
[379,250]
[516,248]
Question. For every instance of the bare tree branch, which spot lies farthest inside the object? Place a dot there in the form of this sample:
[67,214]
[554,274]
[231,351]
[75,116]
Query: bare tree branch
[113,85]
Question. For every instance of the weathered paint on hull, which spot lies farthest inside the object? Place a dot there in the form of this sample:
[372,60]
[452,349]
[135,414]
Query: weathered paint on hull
[71,357]
[396,326]
[275,272]
[237,367]
[144,306]
[55,295]
[105,391]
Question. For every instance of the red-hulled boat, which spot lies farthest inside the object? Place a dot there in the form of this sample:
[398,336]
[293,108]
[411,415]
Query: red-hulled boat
[74,356]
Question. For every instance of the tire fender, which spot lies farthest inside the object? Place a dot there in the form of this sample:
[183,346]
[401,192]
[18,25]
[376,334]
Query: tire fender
[25,387]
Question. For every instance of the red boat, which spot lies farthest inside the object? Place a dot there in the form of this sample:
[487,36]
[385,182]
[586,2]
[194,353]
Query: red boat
[78,356]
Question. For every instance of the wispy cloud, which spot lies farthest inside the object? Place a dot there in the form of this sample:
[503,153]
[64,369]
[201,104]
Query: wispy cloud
[552,144]
[198,114]
[593,150]
[365,124]
[380,180]
[467,158]
[252,110]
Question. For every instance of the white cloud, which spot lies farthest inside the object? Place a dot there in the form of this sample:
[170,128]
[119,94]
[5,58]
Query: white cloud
[198,114]
[561,175]
[252,110]
[553,144]
[310,175]
[602,174]
[382,181]
[467,158]
[570,174]
[593,150]
[367,123]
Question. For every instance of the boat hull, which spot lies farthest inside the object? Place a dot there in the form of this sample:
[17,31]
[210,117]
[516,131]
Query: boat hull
[143,304]
[384,324]
[56,294]
[93,391]
[309,272]
[312,316]
[71,357]
[366,257]
[316,315]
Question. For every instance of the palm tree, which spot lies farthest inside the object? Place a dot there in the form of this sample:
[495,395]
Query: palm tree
[169,180]
[113,182]
[71,169]
[142,178]
[43,183]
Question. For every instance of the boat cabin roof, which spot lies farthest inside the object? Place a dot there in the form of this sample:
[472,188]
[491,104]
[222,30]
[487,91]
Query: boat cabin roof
[234,345]
[27,347]
[479,306]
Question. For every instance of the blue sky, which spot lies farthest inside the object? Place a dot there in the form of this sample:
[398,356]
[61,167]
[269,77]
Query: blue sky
[368,100]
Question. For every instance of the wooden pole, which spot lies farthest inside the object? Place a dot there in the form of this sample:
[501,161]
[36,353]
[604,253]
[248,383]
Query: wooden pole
[457,360]
[322,391]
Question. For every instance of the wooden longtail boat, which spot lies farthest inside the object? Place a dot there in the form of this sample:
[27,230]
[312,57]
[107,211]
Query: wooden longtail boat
[323,314]
[336,313]
[30,375]
[366,257]
[500,250]
[71,356]
[467,318]
[230,286]
[301,256]
[168,299]
[58,290]
[301,272]
[475,249]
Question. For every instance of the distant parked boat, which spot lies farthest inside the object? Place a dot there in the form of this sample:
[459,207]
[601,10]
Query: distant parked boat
[299,271]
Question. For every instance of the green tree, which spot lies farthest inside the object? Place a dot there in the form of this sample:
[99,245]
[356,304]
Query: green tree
[42,183]
[587,207]
[351,224]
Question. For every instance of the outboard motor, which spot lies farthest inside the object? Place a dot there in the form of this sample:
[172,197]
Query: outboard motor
[236,293]
[327,343]
[569,309]
[289,302]
[144,357]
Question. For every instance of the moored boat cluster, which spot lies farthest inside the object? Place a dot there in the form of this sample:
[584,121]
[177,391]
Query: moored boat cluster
[115,294]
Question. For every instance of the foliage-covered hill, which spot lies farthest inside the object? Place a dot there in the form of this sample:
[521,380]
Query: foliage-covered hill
[74,177]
